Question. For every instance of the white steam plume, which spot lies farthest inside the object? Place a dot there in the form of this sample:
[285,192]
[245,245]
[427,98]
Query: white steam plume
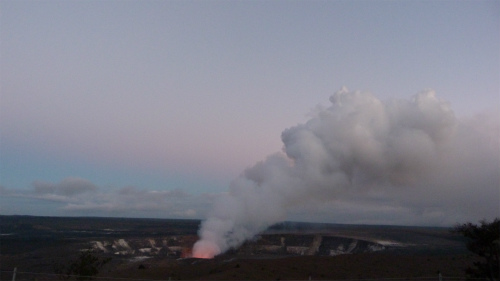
[358,144]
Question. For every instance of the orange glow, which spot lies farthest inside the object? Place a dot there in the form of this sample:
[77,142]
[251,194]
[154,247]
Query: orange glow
[205,250]
[203,255]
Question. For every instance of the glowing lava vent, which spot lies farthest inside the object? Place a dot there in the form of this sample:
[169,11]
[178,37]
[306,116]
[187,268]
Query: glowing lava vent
[205,250]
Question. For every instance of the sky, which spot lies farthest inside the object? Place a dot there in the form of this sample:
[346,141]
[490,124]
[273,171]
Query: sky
[153,108]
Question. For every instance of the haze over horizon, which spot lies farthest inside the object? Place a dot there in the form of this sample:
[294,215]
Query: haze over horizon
[152,109]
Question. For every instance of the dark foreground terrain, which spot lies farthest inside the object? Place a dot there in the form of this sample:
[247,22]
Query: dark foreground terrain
[160,249]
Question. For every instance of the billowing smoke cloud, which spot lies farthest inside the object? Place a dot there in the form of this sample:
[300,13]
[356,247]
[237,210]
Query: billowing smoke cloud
[397,153]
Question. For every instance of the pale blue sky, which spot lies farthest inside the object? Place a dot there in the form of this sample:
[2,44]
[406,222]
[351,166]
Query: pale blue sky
[184,95]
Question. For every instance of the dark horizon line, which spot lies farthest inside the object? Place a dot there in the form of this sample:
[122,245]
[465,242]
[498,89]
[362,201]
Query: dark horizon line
[285,223]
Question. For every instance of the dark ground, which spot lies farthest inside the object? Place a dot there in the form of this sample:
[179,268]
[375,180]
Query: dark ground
[39,244]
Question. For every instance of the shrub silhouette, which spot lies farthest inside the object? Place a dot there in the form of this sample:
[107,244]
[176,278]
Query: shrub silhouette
[484,241]
[85,267]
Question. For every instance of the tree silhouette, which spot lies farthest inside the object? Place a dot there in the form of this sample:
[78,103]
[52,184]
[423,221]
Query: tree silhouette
[85,267]
[484,241]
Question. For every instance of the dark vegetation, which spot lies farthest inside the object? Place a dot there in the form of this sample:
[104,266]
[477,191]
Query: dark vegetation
[484,241]
[85,267]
